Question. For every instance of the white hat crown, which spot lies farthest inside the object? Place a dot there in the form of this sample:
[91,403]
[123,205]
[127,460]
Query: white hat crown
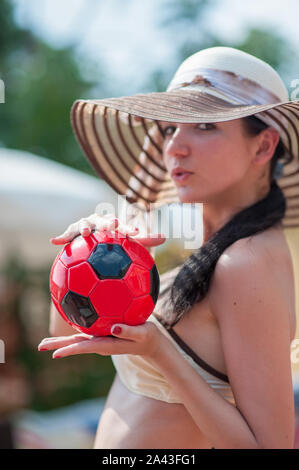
[233,60]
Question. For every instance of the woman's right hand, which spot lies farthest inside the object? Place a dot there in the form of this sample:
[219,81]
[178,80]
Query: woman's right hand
[108,222]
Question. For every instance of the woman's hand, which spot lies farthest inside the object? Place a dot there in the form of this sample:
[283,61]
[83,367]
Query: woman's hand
[144,340]
[108,222]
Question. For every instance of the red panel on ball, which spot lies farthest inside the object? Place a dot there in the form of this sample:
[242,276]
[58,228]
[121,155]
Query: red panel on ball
[139,310]
[58,280]
[110,297]
[138,280]
[77,251]
[82,279]
[138,253]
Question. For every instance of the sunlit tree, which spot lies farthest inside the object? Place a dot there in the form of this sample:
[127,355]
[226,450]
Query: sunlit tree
[41,83]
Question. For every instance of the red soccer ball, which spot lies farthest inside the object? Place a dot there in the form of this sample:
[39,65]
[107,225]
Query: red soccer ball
[103,279]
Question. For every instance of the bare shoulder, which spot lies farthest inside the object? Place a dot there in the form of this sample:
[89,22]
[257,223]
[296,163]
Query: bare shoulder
[268,251]
[267,246]
[257,269]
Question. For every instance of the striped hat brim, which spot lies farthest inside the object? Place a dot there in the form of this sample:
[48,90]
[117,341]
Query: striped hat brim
[122,139]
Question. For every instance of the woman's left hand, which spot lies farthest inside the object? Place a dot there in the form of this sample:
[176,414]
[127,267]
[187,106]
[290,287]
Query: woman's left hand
[144,340]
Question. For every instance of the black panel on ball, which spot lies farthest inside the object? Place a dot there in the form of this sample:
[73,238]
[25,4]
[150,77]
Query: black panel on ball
[155,283]
[78,309]
[109,261]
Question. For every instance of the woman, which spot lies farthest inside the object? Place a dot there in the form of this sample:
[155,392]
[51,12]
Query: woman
[211,366]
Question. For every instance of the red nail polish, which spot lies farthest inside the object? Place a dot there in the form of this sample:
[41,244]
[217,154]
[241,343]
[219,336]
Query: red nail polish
[116,330]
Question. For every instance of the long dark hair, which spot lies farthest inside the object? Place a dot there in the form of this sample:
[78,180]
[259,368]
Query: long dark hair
[193,278]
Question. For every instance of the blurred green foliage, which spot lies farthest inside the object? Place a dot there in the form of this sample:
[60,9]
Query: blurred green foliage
[52,383]
[41,84]
[185,24]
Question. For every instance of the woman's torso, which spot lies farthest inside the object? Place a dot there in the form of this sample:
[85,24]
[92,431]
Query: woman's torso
[134,421]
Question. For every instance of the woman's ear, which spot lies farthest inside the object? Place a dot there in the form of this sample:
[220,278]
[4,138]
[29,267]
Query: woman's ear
[267,141]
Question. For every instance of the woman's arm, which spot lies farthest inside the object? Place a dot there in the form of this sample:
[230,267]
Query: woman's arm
[58,326]
[253,317]
[252,310]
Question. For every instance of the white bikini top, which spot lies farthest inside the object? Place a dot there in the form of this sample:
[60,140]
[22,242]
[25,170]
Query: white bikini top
[141,377]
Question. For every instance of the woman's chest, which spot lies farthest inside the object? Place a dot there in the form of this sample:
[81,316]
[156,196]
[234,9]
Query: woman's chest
[199,329]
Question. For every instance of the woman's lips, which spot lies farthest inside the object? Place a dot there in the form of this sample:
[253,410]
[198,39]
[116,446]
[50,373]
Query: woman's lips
[181,176]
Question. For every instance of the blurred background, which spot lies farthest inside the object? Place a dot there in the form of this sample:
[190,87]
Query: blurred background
[51,53]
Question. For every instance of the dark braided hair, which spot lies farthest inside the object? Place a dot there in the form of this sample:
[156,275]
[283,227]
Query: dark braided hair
[193,279]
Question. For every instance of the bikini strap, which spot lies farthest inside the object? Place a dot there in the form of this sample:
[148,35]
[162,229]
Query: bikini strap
[196,358]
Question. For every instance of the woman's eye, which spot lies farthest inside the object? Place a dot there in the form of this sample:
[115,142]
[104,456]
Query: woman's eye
[204,126]
[168,130]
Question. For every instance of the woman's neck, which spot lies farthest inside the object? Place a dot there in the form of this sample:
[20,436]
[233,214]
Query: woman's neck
[218,213]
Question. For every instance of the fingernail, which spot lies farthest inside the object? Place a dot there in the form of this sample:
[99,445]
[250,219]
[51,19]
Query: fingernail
[56,356]
[42,348]
[55,240]
[116,330]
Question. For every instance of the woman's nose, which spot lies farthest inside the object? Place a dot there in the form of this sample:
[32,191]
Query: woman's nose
[177,145]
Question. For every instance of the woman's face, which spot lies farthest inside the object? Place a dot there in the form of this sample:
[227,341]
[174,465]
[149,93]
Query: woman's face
[217,154]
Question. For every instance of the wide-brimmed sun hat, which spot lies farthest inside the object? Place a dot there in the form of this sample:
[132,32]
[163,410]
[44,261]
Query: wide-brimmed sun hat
[122,137]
